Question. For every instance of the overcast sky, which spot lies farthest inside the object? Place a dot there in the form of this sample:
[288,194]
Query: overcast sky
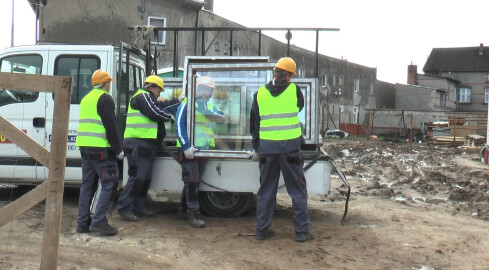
[386,34]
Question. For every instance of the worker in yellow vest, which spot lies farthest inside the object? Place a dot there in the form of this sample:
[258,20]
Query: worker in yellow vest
[145,131]
[206,116]
[276,141]
[100,148]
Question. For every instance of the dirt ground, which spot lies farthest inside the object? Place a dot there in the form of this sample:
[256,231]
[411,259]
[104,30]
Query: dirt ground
[411,207]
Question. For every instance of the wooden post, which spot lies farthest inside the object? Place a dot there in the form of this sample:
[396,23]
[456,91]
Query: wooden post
[411,135]
[327,117]
[52,189]
[54,196]
[367,124]
[322,118]
[454,127]
[339,118]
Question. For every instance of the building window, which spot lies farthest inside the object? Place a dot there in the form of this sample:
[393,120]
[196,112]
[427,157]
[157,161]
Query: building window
[342,107]
[355,115]
[324,79]
[158,22]
[300,72]
[486,95]
[334,79]
[340,81]
[356,86]
[464,95]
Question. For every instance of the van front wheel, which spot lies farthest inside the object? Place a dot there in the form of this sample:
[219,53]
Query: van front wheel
[225,204]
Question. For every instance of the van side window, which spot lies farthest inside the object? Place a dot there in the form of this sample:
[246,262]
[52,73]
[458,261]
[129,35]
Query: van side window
[27,64]
[130,82]
[81,69]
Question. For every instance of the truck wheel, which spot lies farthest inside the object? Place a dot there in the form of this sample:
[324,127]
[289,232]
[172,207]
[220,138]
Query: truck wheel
[225,204]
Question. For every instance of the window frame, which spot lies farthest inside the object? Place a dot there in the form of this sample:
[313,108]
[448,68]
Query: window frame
[300,72]
[356,85]
[191,69]
[356,114]
[161,34]
[466,91]
[324,80]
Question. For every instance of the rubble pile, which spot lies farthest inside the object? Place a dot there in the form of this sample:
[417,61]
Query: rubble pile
[417,173]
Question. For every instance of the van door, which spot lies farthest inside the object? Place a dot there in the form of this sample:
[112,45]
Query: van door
[24,109]
[79,65]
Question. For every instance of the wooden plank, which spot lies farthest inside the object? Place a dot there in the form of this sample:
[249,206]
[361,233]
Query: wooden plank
[22,140]
[30,82]
[24,203]
[57,166]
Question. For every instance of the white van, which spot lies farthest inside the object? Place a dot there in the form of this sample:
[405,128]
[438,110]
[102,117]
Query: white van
[32,112]
[230,177]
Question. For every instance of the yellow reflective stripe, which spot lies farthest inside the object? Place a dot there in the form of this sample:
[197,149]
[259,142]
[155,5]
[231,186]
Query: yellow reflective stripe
[274,128]
[279,115]
[142,125]
[91,121]
[92,134]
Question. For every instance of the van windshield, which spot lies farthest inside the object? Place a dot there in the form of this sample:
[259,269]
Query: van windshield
[27,64]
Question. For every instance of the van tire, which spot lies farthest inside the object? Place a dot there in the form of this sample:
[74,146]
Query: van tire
[225,204]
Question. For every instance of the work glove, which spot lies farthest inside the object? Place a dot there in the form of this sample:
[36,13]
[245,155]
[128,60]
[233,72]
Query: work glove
[254,155]
[189,153]
[120,156]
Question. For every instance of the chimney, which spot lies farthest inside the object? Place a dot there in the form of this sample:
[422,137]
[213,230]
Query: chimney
[481,49]
[412,72]
[209,5]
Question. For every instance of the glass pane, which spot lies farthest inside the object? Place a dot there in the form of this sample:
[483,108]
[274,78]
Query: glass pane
[302,113]
[26,64]
[232,97]
[173,89]
[87,68]
[81,69]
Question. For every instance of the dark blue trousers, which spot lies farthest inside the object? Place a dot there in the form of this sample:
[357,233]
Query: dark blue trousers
[140,158]
[97,165]
[290,164]
[192,170]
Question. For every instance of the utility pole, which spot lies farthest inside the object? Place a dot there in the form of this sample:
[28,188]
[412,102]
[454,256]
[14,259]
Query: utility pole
[12,31]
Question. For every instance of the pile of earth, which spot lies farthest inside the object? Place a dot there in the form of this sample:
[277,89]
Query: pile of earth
[416,172]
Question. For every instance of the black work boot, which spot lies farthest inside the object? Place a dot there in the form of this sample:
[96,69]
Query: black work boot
[83,228]
[304,236]
[146,213]
[195,221]
[269,232]
[129,216]
[103,230]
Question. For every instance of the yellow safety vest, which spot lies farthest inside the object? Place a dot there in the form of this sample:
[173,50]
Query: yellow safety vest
[279,116]
[138,125]
[91,131]
[204,129]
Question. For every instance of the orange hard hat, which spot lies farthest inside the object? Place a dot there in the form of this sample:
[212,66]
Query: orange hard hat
[206,80]
[287,64]
[100,76]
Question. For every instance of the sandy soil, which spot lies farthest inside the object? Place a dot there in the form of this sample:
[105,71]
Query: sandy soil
[412,207]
